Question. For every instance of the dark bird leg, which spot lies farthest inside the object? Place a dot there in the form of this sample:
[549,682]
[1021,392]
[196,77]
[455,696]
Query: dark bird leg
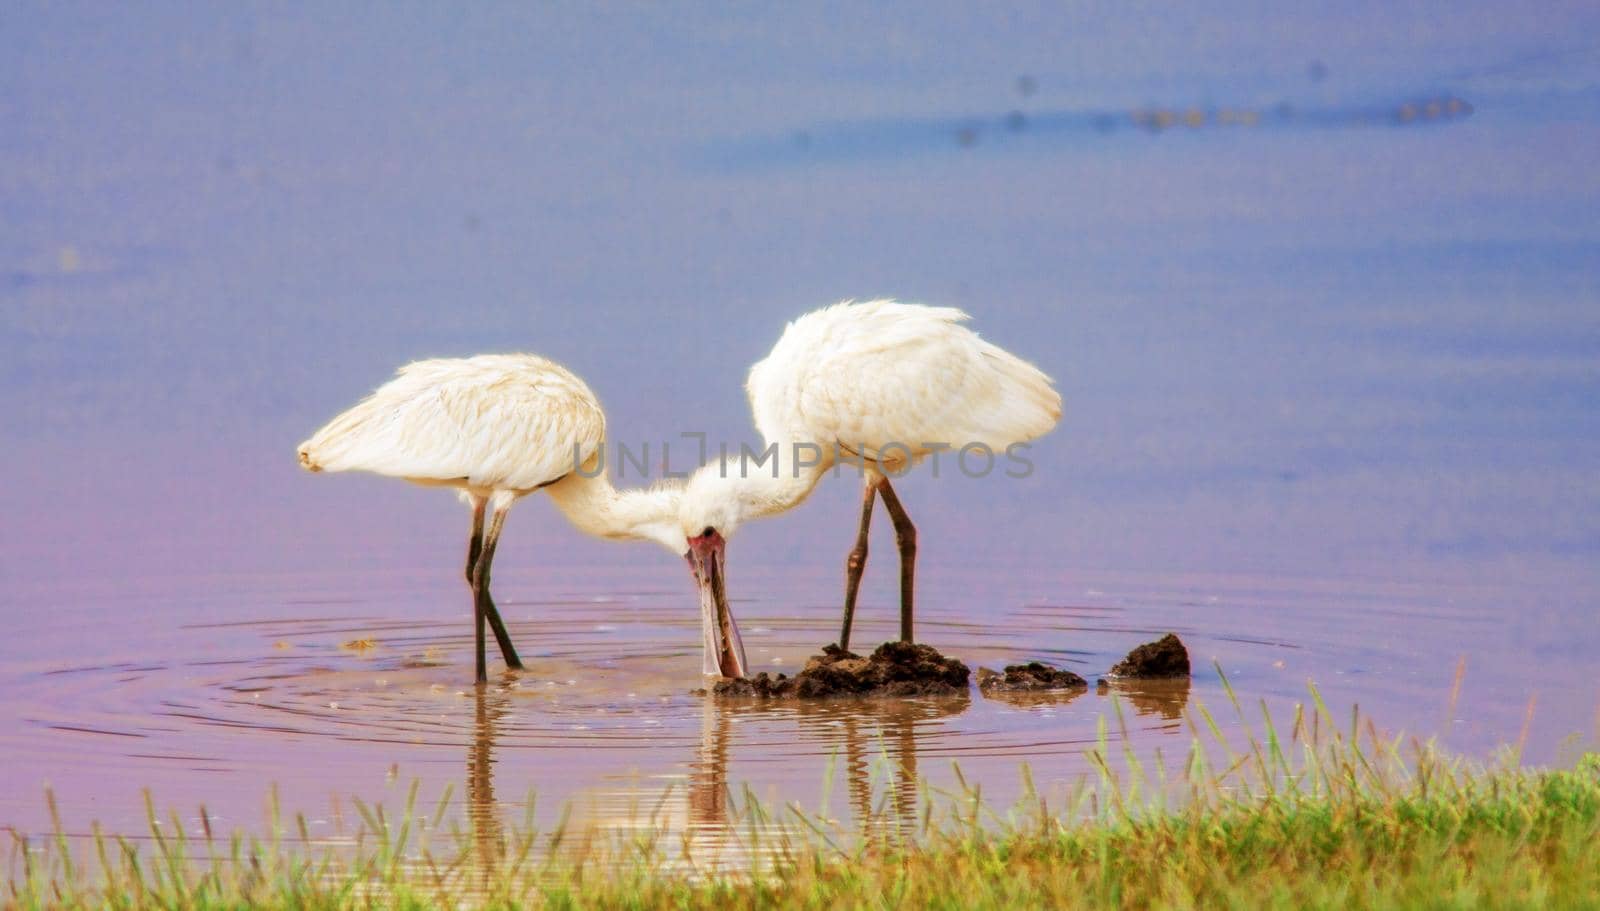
[474,549]
[905,535]
[855,564]
[477,633]
[482,605]
[507,650]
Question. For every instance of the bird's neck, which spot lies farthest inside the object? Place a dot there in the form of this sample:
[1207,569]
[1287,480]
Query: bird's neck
[598,508]
[776,480]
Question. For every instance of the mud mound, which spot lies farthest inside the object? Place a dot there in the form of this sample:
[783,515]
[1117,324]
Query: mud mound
[1028,678]
[1165,657]
[895,669]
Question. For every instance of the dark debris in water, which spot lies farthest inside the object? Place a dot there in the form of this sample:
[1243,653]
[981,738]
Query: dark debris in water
[1165,657]
[894,669]
[1028,678]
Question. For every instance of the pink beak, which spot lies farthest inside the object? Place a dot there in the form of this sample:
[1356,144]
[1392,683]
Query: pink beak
[724,652]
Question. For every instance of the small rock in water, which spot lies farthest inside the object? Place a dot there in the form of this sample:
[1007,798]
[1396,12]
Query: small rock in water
[1030,677]
[894,669]
[1165,657]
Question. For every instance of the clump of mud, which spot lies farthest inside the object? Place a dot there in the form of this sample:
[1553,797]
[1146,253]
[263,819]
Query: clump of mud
[1165,657]
[1032,677]
[895,669]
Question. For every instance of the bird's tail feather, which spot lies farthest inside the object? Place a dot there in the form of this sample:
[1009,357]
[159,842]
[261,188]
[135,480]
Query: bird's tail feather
[1028,405]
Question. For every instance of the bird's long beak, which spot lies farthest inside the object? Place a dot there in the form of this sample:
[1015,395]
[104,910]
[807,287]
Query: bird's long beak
[724,652]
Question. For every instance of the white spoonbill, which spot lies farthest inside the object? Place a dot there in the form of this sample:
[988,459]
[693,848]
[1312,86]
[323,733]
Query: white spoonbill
[497,427]
[878,383]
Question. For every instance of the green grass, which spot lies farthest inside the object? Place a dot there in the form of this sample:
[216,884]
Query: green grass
[1328,816]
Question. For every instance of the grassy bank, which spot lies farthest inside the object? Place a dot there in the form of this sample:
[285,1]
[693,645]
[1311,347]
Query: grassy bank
[1318,818]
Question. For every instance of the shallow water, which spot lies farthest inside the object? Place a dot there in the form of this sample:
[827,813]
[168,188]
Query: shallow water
[209,691]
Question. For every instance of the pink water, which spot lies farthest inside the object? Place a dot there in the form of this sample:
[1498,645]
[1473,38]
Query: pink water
[208,691]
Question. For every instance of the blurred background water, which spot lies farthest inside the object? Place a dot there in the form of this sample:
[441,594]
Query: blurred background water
[1321,288]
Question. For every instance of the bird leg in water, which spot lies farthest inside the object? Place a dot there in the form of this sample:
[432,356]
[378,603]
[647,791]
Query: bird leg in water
[905,535]
[507,650]
[481,603]
[482,675]
[856,563]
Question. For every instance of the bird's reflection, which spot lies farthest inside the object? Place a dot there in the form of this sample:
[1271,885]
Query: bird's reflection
[483,814]
[859,731]
[710,819]
[896,725]
[876,742]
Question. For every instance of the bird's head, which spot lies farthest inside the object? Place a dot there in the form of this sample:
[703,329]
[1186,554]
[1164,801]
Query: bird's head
[708,514]
[711,501]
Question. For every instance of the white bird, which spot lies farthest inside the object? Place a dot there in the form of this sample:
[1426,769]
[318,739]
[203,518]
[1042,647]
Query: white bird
[881,384]
[497,428]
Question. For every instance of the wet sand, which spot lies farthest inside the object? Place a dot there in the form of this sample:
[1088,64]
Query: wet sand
[208,691]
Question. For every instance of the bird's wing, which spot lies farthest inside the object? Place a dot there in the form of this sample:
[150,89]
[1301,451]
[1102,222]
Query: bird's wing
[871,375]
[510,422]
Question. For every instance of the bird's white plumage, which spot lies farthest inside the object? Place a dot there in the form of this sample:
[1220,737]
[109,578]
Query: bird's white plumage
[857,377]
[506,422]
[880,372]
